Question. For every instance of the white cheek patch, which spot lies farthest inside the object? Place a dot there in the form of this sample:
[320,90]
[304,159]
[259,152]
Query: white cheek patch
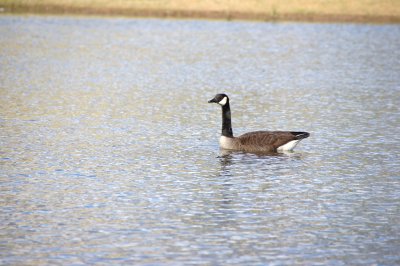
[223,101]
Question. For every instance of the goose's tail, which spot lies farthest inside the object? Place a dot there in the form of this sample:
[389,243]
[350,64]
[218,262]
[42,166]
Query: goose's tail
[301,135]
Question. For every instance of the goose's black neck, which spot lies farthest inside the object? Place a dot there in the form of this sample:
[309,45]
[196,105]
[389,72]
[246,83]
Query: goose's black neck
[226,121]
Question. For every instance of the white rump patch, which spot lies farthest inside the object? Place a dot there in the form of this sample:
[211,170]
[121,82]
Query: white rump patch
[223,101]
[288,146]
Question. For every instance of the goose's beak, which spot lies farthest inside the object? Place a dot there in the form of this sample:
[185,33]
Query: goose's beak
[212,101]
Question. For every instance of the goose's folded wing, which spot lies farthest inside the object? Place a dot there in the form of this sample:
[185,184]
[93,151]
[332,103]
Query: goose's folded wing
[274,139]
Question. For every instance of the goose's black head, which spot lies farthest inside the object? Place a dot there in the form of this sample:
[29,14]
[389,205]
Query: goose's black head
[222,99]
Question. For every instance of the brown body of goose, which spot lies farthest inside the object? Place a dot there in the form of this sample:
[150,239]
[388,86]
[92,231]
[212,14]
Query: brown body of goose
[257,141]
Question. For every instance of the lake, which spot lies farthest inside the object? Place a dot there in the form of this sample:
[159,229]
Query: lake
[109,150]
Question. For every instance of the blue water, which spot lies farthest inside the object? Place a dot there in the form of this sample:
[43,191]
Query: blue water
[109,150]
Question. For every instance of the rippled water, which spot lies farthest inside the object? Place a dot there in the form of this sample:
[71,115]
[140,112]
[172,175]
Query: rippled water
[109,150]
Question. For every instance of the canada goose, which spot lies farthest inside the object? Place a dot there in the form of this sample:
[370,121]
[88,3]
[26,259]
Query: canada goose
[257,141]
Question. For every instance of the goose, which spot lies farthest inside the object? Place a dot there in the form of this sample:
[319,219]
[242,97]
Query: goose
[257,141]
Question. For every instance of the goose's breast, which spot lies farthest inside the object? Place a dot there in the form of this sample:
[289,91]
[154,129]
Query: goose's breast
[226,143]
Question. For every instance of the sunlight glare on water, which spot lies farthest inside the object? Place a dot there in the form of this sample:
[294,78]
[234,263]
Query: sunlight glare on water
[109,150]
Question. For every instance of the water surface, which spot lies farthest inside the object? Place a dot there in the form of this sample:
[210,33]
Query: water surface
[109,150]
